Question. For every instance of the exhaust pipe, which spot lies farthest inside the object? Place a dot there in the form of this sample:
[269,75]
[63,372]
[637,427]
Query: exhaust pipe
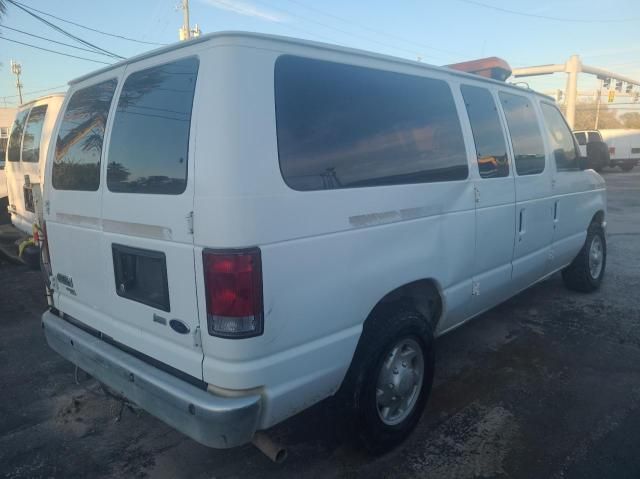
[270,448]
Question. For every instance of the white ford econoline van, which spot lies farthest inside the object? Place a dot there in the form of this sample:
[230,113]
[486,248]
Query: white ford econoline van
[241,225]
[26,154]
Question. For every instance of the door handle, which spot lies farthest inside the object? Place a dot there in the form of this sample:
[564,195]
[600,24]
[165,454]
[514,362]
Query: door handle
[555,211]
[521,225]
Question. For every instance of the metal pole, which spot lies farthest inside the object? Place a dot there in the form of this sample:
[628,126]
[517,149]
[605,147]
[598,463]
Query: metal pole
[595,127]
[16,69]
[185,19]
[572,68]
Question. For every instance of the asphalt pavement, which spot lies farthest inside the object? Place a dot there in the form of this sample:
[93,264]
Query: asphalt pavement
[544,385]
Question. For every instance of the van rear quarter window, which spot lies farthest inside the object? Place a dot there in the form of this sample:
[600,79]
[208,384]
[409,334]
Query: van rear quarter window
[345,126]
[526,138]
[76,164]
[15,140]
[32,134]
[150,140]
[581,136]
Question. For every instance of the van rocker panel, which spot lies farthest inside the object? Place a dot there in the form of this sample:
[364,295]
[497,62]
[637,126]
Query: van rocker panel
[211,420]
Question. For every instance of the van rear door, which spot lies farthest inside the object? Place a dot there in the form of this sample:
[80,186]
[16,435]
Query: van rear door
[73,201]
[147,205]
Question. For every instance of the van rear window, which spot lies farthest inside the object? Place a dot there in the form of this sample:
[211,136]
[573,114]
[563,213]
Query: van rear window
[345,126]
[15,140]
[150,140]
[32,134]
[76,165]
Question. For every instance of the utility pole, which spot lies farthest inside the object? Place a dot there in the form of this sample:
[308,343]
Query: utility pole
[16,69]
[186,32]
[572,68]
[598,96]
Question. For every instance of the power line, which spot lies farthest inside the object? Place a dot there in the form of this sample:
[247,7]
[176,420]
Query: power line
[36,91]
[88,28]
[53,51]
[61,30]
[373,30]
[54,41]
[413,53]
[545,17]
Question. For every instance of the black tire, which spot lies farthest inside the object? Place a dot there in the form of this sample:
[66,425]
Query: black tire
[578,276]
[31,257]
[387,325]
[626,167]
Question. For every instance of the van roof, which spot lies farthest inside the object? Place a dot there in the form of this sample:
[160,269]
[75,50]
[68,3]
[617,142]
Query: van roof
[296,41]
[50,95]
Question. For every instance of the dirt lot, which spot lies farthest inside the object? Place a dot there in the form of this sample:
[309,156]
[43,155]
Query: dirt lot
[545,385]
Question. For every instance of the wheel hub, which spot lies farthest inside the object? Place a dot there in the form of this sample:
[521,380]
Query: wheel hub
[596,257]
[399,381]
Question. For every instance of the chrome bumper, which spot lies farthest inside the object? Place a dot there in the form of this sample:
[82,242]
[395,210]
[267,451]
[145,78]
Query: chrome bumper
[211,420]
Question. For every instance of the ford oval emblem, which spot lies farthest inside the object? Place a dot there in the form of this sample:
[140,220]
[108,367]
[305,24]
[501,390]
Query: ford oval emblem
[179,326]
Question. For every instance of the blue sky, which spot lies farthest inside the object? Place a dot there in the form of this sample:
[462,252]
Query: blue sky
[438,32]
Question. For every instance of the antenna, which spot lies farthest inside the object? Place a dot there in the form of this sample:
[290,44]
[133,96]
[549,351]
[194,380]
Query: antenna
[16,69]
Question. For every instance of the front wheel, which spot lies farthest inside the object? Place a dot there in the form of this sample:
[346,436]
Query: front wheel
[586,271]
[626,167]
[391,377]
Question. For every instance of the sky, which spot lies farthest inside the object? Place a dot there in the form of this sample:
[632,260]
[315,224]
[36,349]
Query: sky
[523,32]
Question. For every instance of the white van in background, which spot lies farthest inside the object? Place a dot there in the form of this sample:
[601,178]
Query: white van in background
[624,145]
[241,225]
[26,155]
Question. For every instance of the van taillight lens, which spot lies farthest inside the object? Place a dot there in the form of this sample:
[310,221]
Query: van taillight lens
[233,285]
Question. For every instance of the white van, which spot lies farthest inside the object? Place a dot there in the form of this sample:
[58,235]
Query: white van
[624,145]
[242,225]
[26,154]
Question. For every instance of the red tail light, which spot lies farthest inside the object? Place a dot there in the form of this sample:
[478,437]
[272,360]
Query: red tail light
[612,150]
[233,285]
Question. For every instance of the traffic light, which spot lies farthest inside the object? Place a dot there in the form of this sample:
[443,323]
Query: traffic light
[629,88]
[559,95]
[606,83]
[619,85]
[612,96]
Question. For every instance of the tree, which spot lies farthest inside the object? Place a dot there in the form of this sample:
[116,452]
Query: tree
[3,8]
[586,116]
[631,119]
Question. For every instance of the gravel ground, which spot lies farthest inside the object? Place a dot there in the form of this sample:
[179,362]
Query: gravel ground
[545,385]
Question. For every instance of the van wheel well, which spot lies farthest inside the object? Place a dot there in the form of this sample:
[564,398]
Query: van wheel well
[423,295]
[598,218]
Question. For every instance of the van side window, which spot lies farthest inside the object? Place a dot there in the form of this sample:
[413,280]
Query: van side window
[526,138]
[594,136]
[150,139]
[32,134]
[344,126]
[15,140]
[560,138]
[488,137]
[581,137]
[76,164]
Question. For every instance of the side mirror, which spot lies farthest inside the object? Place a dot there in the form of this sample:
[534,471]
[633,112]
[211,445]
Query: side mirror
[597,156]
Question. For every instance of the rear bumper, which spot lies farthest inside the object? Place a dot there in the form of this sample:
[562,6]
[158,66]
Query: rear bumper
[211,420]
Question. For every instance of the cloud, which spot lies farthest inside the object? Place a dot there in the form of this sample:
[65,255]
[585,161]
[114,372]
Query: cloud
[248,9]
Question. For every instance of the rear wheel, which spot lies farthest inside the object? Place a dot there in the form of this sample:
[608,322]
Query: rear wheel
[627,166]
[586,271]
[391,376]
